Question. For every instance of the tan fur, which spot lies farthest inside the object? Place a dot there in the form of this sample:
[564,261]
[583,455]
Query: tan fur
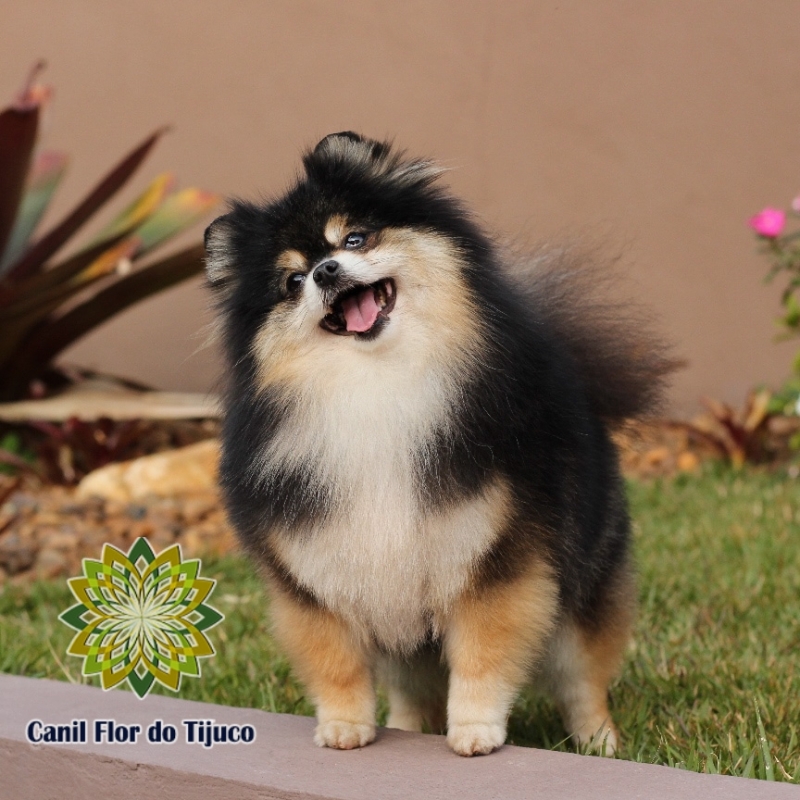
[291,261]
[493,639]
[582,663]
[335,230]
[334,666]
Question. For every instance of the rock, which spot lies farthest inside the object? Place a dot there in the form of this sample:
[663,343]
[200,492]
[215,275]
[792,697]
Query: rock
[198,508]
[63,540]
[188,470]
[16,553]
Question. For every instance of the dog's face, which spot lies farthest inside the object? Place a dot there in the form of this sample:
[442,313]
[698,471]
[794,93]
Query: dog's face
[362,257]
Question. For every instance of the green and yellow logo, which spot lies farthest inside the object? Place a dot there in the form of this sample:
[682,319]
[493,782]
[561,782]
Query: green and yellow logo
[141,617]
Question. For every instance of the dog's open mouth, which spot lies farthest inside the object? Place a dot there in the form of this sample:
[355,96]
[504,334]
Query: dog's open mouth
[361,310]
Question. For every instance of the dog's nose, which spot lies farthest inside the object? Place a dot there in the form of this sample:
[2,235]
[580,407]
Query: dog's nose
[325,273]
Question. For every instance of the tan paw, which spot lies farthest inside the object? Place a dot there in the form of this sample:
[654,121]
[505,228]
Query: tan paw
[476,738]
[343,735]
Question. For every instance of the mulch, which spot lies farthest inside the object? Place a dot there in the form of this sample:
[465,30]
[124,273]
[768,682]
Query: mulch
[45,531]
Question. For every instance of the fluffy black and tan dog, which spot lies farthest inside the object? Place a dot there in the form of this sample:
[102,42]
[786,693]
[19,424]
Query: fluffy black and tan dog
[416,449]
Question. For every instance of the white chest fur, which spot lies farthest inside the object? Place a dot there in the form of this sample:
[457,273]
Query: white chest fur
[379,560]
[391,571]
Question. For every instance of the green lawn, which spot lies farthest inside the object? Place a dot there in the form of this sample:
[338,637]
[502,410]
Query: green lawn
[711,683]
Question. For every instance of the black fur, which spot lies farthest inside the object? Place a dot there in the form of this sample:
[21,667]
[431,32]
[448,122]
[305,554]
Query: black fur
[561,368]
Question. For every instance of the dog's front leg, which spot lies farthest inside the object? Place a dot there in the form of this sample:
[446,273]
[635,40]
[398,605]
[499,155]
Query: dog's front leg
[334,667]
[493,638]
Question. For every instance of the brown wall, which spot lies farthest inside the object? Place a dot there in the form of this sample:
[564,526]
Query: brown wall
[657,128]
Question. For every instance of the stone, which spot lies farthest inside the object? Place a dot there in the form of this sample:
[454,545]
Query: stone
[16,553]
[187,470]
[65,541]
[198,508]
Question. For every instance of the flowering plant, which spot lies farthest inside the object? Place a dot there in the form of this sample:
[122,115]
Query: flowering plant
[783,250]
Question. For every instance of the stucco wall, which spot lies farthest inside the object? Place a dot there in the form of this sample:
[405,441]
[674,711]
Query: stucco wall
[656,128]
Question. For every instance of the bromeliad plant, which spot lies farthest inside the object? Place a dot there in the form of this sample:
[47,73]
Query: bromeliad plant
[47,302]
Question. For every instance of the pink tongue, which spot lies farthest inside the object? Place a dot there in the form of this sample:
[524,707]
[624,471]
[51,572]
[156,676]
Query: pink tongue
[360,311]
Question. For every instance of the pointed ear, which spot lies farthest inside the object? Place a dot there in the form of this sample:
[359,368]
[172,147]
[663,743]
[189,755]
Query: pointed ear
[330,141]
[219,253]
[348,142]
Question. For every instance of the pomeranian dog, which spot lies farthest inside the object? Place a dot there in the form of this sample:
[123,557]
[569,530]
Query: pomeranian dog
[416,450]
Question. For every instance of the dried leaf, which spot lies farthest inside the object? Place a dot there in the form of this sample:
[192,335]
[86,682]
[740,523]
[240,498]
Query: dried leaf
[757,410]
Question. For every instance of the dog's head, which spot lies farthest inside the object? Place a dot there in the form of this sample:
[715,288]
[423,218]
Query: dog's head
[364,255]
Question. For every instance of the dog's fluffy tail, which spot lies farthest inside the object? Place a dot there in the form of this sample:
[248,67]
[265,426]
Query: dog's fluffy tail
[623,362]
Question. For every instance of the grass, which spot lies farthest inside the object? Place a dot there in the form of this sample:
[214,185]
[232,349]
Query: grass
[711,683]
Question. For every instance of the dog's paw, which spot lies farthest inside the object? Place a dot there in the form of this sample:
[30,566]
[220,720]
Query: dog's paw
[476,738]
[343,735]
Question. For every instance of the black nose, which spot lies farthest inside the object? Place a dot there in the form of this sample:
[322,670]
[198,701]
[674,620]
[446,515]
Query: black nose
[325,273]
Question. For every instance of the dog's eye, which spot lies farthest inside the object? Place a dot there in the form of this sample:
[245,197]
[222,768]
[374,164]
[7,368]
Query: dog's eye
[294,283]
[354,241]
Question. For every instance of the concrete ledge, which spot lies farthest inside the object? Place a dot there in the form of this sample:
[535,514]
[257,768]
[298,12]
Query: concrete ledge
[282,762]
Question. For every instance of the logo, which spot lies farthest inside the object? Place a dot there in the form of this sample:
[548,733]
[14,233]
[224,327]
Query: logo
[141,617]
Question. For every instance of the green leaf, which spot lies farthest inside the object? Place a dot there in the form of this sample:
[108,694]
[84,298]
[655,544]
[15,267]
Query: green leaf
[34,259]
[792,317]
[140,209]
[48,170]
[38,304]
[179,211]
[50,337]
[767,766]
[59,274]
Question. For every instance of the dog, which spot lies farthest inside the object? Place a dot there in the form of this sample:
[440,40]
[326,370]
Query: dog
[416,451]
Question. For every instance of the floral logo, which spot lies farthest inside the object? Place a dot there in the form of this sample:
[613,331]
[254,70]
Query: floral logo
[141,617]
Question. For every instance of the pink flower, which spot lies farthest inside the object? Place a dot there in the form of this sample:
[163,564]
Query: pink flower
[796,204]
[769,222]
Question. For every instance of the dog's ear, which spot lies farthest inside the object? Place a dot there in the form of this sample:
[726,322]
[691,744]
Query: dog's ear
[327,141]
[219,254]
[344,141]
